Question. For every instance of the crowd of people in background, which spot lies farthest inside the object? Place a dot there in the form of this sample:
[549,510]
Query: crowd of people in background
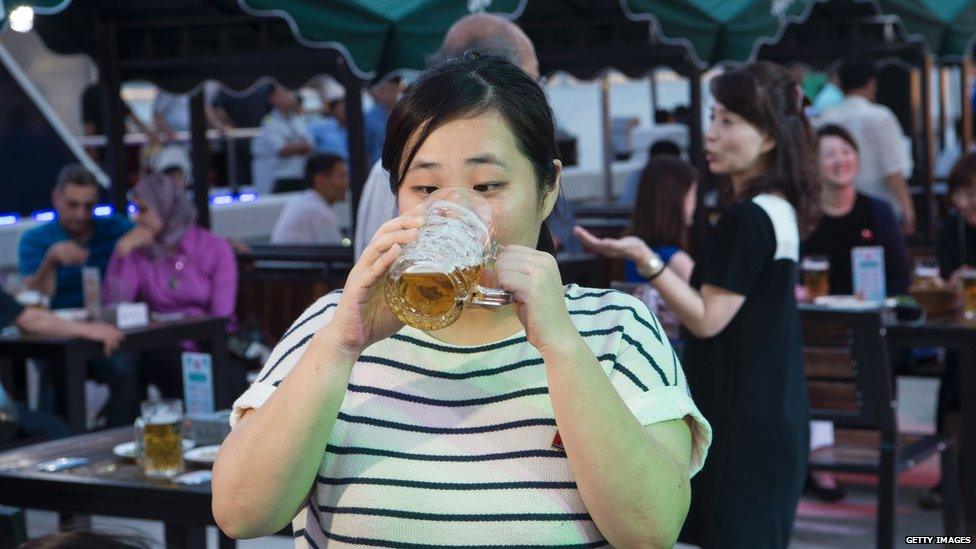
[795,178]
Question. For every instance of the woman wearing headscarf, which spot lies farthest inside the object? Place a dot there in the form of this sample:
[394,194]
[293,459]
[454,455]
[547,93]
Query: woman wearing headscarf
[174,266]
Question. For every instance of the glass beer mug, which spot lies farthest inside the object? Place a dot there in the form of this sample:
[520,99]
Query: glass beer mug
[816,275]
[436,276]
[162,437]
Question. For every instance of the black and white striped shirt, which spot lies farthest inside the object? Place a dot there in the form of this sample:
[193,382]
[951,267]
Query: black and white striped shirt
[448,445]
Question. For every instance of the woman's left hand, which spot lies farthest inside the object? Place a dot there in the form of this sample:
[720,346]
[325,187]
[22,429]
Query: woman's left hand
[137,237]
[628,247]
[533,279]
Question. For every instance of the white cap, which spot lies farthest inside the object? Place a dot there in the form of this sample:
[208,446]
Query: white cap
[171,156]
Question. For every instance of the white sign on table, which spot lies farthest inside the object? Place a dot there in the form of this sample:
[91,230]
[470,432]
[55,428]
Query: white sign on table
[868,265]
[198,384]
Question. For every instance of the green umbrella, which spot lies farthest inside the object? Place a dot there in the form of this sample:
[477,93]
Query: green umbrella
[948,26]
[377,36]
[717,30]
[729,30]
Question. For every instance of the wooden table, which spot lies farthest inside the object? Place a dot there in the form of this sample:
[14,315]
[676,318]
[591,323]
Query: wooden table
[959,335]
[107,485]
[70,357]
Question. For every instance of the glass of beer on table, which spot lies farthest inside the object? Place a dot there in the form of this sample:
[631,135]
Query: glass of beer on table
[926,274]
[816,275]
[437,275]
[162,437]
[968,283]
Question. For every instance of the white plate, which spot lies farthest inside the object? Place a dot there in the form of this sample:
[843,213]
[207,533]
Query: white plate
[128,449]
[204,455]
[848,302]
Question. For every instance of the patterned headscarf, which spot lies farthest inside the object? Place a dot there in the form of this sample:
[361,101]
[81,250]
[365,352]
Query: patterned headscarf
[173,207]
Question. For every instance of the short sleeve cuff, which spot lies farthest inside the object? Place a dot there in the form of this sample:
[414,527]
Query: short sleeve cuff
[667,403]
[253,397]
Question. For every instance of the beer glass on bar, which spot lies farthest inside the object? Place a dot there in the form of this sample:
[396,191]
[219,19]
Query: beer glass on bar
[968,282]
[436,275]
[162,437]
[816,275]
[926,274]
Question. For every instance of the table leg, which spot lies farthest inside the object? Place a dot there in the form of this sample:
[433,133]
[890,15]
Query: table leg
[225,381]
[967,431]
[74,371]
[186,536]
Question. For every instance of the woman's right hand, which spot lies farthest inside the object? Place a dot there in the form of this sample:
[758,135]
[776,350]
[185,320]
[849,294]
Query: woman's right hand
[362,316]
[628,247]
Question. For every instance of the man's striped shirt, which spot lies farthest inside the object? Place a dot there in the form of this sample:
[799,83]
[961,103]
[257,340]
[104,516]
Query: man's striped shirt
[448,445]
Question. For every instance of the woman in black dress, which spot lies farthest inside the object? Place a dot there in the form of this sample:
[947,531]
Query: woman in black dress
[743,352]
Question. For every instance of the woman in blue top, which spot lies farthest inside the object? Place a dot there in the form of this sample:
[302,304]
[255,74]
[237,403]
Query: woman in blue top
[663,211]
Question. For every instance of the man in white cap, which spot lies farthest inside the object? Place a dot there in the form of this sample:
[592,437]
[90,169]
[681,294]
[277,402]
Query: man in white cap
[173,161]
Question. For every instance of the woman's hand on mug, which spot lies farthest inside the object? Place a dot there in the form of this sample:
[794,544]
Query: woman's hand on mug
[533,279]
[362,316]
[628,247]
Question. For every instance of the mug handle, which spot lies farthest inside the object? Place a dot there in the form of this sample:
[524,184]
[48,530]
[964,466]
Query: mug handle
[490,297]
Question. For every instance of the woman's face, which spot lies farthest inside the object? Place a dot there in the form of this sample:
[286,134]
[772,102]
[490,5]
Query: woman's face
[733,146]
[480,153]
[689,205]
[147,218]
[964,200]
[838,161]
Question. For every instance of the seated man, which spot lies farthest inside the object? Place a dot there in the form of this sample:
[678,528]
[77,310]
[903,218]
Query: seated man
[51,255]
[41,322]
[307,217]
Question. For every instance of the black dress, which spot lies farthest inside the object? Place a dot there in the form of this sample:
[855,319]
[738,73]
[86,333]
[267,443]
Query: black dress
[749,383]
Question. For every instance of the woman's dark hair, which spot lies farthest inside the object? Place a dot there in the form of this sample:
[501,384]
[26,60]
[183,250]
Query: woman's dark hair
[466,86]
[833,130]
[768,97]
[658,214]
[963,174]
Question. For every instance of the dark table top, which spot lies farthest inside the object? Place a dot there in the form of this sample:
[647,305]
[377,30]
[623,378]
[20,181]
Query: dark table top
[107,485]
[185,328]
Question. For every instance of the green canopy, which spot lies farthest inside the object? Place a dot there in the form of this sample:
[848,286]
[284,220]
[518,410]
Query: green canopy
[716,30]
[374,36]
[948,26]
[729,30]
[377,36]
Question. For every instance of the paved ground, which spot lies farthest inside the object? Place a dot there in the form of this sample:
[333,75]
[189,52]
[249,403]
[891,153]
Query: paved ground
[842,525]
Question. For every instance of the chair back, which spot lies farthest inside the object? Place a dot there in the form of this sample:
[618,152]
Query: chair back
[849,379]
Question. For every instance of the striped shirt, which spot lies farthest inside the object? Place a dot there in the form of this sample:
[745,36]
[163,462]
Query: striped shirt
[449,445]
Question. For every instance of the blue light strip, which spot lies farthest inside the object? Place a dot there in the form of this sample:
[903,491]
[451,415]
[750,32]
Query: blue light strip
[8,219]
[44,215]
[103,210]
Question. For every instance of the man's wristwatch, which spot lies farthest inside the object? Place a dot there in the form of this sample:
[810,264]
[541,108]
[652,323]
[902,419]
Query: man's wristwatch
[652,268]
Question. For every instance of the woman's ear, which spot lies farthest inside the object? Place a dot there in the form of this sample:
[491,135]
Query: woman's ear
[768,144]
[552,195]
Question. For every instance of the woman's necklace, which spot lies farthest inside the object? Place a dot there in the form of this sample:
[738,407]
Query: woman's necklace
[174,281]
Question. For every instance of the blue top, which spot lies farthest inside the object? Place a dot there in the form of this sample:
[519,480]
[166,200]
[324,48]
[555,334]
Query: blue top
[35,243]
[330,137]
[375,127]
[630,268]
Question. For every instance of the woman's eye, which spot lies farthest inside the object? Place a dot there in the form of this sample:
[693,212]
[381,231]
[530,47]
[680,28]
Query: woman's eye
[424,189]
[486,187]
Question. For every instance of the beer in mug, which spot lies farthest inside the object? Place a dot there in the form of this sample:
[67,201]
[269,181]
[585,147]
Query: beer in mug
[162,437]
[816,275]
[436,276]
[968,281]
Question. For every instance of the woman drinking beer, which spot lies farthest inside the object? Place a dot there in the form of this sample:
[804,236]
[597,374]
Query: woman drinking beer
[743,352]
[376,433]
